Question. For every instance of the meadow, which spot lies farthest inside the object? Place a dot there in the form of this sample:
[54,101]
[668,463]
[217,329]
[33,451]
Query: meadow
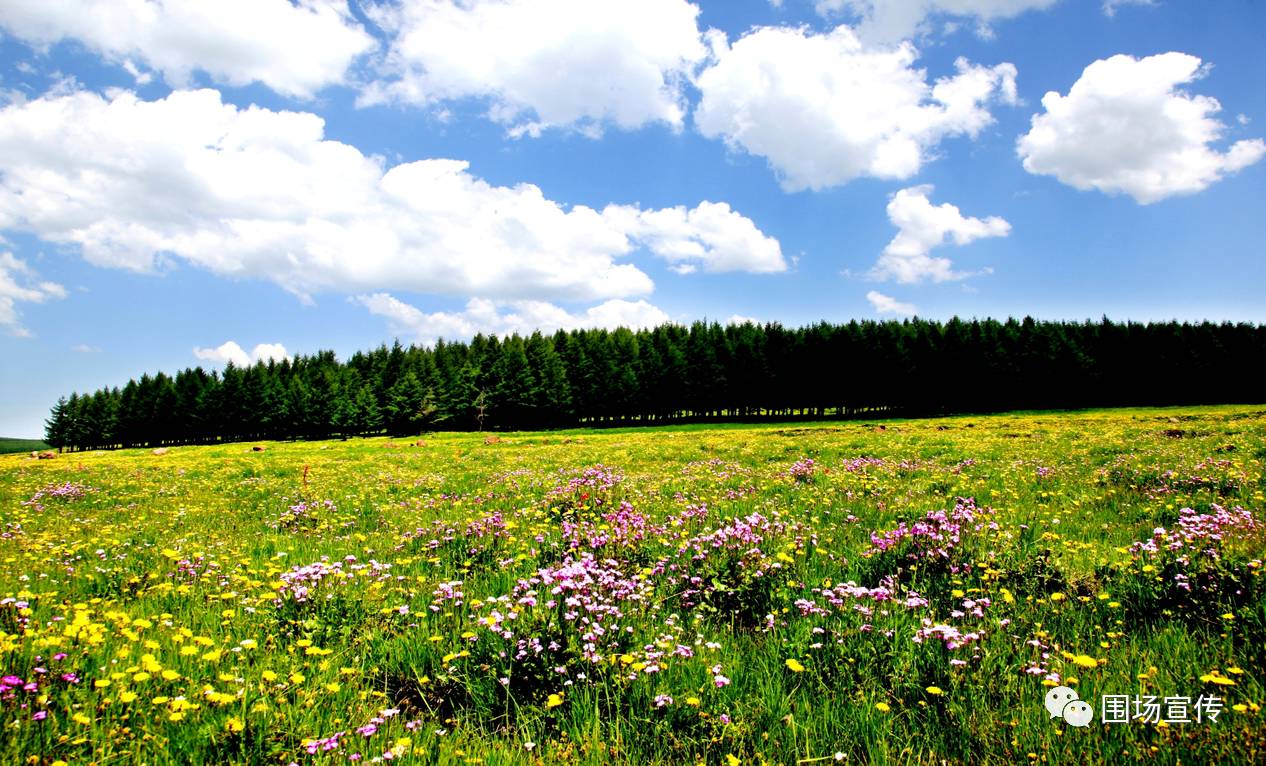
[888,592]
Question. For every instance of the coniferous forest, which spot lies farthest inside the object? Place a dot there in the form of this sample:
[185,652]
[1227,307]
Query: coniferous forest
[674,373]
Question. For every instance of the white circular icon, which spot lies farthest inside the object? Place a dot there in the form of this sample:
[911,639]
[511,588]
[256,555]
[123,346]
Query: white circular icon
[1078,713]
[1057,698]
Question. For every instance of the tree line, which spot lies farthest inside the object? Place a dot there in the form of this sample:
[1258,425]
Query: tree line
[673,373]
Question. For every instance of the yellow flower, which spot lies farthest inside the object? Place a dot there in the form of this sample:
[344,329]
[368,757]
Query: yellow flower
[296,678]
[269,676]
[1085,661]
[170,675]
[176,717]
[101,683]
[212,656]
[554,700]
[882,707]
[730,760]
[332,688]
[935,691]
[126,697]
[234,725]
[692,701]
[139,677]
[80,718]
[1217,678]
[794,666]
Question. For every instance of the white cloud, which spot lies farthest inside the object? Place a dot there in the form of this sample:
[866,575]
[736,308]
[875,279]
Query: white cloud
[1126,126]
[740,319]
[712,235]
[490,317]
[1110,6]
[543,63]
[20,284]
[84,348]
[229,351]
[825,109]
[295,48]
[883,304]
[252,193]
[892,20]
[923,226]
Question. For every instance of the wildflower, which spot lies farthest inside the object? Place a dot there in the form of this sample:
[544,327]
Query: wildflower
[234,725]
[554,700]
[935,691]
[1085,661]
[882,707]
[794,666]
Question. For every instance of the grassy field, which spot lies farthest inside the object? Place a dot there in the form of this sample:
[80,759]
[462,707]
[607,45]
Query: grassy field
[8,445]
[896,592]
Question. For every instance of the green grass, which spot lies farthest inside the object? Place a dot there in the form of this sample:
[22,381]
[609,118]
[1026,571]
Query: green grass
[8,445]
[694,547]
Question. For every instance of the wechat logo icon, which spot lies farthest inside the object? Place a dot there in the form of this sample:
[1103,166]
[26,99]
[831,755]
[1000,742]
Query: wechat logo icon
[1063,702]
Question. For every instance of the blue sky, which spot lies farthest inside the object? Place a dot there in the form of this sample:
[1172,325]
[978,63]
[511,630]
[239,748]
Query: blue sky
[185,183]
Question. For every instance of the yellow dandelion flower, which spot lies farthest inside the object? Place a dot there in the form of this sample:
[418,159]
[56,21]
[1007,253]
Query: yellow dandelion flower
[794,666]
[1085,661]
[935,691]
[882,707]
[554,700]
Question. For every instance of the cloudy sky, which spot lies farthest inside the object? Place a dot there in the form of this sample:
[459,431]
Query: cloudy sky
[192,181]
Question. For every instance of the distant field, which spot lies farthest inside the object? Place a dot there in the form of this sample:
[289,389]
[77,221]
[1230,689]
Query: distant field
[904,592]
[20,445]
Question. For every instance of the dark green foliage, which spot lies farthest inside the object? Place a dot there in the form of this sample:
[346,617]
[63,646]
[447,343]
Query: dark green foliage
[702,372]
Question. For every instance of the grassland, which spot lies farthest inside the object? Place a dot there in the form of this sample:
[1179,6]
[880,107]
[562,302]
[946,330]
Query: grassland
[896,592]
[9,446]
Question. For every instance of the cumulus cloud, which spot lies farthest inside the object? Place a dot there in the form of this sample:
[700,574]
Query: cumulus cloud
[711,235]
[922,227]
[490,317]
[892,20]
[883,304]
[20,284]
[229,351]
[295,48]
[254,193]
[1126,126]
[543,63]
[824,109]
